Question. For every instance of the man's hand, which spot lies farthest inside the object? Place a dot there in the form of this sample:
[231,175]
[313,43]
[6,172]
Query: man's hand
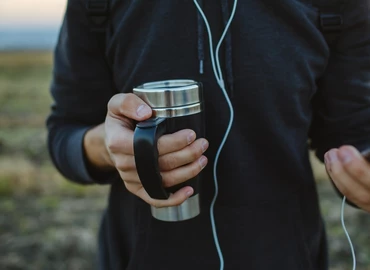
[350,172]
[180,155]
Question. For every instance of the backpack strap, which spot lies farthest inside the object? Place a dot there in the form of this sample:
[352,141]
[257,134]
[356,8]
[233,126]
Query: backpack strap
[97,12]
[330,18]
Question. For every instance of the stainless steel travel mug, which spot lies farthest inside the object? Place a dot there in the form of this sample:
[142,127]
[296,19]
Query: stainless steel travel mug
[176,104]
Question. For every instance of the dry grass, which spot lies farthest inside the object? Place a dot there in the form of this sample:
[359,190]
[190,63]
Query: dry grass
[24,105]
[21,177]
[47,222]
[19,59]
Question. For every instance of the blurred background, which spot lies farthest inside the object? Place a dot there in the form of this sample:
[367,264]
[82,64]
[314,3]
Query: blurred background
[49,223]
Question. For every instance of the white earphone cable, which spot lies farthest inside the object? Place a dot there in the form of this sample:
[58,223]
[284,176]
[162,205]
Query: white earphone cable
[347,234]
[219,45]
[210,40]
[218,74]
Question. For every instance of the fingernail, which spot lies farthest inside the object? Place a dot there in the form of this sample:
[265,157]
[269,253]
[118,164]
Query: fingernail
[191,137]
[143,110]
[345,156]
[332,157]
[205,146]
[203,162]
[189,193]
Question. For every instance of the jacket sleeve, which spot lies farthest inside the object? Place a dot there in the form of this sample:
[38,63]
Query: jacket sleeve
[81,88]
[342,103]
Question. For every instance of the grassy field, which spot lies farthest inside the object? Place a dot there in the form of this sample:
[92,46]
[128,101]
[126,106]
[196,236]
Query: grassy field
[50,223]
[46,221]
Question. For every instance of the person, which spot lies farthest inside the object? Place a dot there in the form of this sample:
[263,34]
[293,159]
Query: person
[290,91]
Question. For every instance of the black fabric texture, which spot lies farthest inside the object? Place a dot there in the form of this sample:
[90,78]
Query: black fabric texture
[288,89]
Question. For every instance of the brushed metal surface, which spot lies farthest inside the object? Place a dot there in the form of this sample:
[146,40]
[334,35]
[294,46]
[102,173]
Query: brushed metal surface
[177,111]
[170,93]
[187,210]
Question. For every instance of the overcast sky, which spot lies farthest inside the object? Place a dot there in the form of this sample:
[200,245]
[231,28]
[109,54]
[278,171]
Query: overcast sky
[31,14]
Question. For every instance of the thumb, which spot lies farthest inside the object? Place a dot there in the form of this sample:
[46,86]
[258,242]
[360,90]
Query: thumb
[130,106]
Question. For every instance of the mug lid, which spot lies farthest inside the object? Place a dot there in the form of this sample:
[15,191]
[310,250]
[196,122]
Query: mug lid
[169,93]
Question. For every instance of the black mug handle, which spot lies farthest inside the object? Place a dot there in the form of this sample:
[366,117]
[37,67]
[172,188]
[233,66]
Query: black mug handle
[146,135]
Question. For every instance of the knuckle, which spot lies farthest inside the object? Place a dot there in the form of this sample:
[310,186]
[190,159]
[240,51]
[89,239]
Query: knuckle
[155,203]
[117,143]
[357,171]
[168,180]
[176,202]
[126,145]
[197,150]
[113,143]
[111,102]
[130,179]
[195,170]
[123,164]
[335,171]
[128,101]
[165,142]
[164,203]
[194,151]
[168,163]
[194,155]
[160,143]
[130,96]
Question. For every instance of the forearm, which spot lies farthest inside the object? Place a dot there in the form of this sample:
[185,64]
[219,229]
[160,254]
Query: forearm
[96,153]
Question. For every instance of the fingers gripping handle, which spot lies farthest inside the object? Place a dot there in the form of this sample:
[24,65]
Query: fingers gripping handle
[146,156]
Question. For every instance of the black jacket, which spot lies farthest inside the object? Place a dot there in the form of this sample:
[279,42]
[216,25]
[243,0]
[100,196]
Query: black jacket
[287,89]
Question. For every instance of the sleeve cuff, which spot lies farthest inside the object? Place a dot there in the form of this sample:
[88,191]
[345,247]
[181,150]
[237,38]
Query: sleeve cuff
[84,173]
